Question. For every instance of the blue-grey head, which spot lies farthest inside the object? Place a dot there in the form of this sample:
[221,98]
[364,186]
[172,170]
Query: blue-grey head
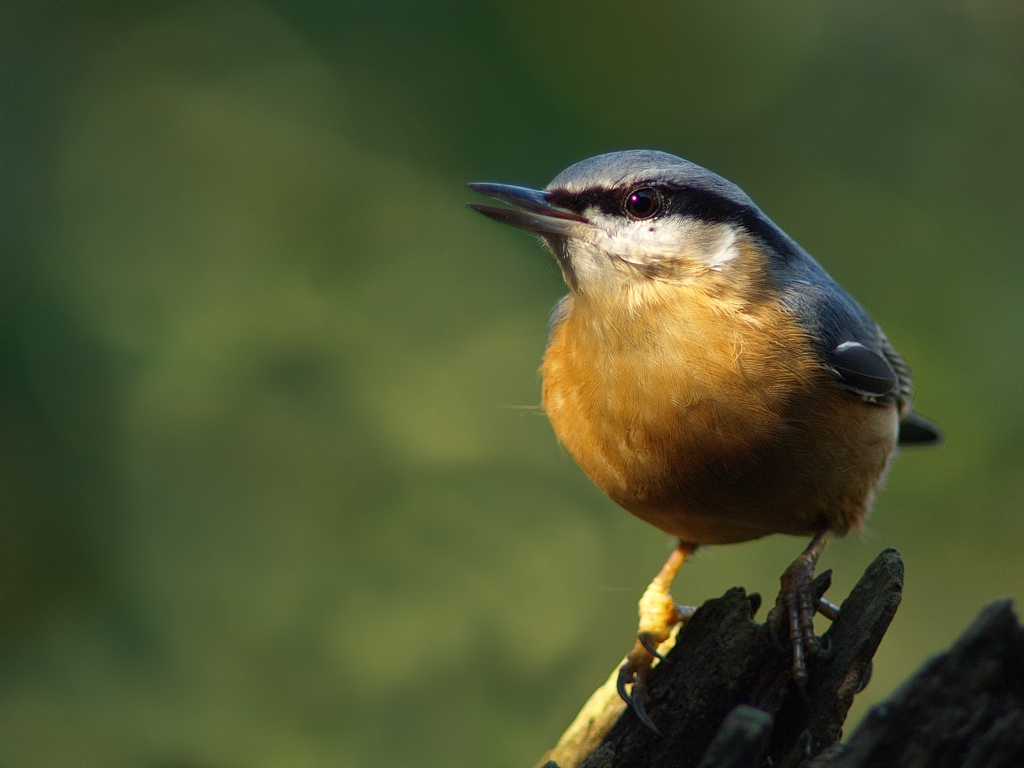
[636,216]
[641,217]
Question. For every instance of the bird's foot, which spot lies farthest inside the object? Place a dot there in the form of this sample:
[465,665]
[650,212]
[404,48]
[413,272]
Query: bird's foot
[796,605]
[658,615]
[639,662]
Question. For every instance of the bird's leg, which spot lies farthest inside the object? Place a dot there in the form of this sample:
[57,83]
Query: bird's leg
[795,607]
[658,614]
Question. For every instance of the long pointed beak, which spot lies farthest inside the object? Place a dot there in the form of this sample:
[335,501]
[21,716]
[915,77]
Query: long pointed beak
[532,211]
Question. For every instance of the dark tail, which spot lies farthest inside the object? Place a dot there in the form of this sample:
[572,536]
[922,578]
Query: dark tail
[915,429]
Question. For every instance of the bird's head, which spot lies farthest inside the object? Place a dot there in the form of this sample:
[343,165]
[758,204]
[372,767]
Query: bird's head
[630,218]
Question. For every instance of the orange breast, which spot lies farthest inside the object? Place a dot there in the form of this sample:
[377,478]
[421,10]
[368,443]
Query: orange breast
[710,418]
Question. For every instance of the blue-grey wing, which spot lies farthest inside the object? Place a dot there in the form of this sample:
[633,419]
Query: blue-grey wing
[855,351]
[849,343]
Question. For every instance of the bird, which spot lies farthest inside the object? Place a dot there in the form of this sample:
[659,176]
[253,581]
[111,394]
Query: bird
[708,375]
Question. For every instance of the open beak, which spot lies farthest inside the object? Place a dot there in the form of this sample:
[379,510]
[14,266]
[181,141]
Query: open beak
[532,211]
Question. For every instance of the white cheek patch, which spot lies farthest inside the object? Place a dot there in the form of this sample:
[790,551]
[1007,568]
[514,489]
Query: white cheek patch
[727,251]
[644,243]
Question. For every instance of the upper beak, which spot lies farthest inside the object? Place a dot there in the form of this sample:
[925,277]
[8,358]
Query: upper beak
[532,211]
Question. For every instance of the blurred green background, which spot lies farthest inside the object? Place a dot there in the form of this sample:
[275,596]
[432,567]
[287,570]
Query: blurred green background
[273,488]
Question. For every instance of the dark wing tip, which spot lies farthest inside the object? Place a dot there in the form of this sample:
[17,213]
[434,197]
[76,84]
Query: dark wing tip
[862,370]
[915,429]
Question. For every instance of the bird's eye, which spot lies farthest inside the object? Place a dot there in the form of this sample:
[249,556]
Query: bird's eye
[642,203]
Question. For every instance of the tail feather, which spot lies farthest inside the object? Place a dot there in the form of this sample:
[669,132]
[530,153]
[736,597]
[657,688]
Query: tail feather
[915,429]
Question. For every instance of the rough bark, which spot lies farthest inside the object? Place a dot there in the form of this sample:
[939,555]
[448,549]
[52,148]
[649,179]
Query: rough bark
[723,697]
[962,708]
[723,658]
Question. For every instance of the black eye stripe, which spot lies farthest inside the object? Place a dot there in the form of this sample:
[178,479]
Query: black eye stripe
[688,201]
[605,200]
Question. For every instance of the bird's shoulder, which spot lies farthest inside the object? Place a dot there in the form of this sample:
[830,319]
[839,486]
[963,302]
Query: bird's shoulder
[847,341]
[850,345]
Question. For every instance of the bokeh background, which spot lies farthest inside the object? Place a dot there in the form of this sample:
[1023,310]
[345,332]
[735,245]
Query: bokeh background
[274,490]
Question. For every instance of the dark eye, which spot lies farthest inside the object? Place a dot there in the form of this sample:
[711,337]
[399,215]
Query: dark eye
[643,203]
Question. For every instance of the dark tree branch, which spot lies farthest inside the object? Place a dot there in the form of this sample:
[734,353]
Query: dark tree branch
[963,708]
[723,696]
[723,658]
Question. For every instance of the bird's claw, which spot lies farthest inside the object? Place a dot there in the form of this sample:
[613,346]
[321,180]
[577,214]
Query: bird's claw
[638,664]
[634,672]
[650,644]
[658,615]
[827,609]
[795,608]
[637,702]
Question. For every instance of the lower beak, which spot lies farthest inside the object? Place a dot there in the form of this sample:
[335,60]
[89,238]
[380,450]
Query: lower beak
[532,211]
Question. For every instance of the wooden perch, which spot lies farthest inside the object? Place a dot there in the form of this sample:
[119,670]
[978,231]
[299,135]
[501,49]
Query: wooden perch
[723,697]
[962,708]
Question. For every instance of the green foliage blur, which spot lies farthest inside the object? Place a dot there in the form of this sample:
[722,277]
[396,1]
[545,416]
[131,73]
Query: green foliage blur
[274,488]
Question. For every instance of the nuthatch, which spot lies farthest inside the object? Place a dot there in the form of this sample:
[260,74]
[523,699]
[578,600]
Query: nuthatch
[707,374]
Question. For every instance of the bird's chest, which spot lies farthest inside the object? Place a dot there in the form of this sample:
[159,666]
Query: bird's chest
[644,397]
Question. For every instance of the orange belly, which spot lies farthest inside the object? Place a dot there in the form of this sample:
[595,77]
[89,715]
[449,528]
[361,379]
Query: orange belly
[712,422]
